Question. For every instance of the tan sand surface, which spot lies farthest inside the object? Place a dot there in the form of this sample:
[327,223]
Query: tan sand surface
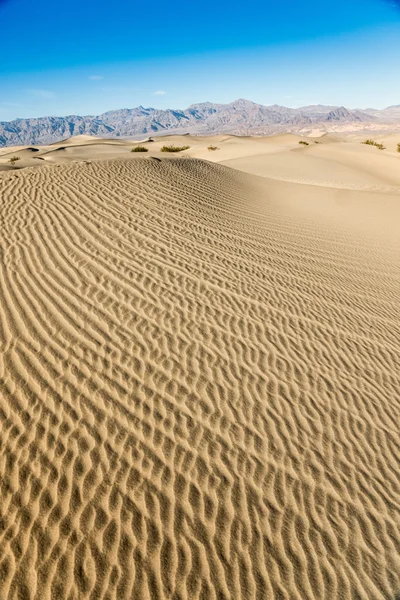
[346,165]
[200,373]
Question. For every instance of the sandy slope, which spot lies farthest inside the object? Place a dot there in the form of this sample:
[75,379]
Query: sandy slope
[328,160]
[345,165]
[199,384]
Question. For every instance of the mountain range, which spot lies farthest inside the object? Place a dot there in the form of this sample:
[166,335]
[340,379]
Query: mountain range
[241,117]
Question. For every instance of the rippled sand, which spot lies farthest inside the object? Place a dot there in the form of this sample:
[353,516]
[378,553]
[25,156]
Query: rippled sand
[199,385]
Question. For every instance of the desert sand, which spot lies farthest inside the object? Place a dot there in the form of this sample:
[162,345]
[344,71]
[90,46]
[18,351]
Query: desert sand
[200,370]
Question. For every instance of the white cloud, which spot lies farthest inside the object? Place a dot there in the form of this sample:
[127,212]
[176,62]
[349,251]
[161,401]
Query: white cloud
[96,77]
[160,93]
[43,94]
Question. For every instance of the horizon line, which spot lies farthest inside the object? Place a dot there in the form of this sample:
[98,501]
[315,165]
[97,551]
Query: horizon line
[63,116]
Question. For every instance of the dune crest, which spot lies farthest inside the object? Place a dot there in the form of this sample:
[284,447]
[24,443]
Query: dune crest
[199,385]
[324,161]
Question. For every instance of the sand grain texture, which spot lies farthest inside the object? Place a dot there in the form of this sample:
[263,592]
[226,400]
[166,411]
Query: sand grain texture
[199,385]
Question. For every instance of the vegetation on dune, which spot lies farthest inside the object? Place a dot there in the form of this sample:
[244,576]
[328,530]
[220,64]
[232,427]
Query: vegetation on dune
[373,143]
[398,147]
[174,148]
[304,143]
[139,149]
[14,159]
[212,148]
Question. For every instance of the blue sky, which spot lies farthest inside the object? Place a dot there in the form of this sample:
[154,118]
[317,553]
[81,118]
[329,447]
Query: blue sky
[85,58]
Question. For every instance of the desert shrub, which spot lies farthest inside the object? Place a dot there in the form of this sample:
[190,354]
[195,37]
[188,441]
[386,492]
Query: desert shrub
[14,159]
[212,148]
[304,143]
[373,143]
[139,149]
[398,147]
[174,148]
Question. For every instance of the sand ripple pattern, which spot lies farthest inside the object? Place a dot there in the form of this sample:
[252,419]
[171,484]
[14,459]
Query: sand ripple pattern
[199,391]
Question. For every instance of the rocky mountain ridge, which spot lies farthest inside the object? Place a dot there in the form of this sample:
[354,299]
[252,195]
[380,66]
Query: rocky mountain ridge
[241,117]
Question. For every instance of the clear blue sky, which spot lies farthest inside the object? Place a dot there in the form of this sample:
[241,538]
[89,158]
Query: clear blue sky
[80,57]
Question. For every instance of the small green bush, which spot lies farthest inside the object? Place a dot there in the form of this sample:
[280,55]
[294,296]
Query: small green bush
[14,159]
[304,143]
[212,148]
[174,148]
[139,149]
[373,143]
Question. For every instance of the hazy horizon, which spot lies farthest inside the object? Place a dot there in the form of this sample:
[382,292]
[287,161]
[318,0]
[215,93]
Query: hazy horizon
[154,107]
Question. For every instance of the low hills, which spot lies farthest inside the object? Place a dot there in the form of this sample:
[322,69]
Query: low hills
[241,117]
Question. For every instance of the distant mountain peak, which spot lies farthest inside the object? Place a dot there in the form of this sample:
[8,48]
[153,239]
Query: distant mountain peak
[341,113]
[244,102]
[241,117]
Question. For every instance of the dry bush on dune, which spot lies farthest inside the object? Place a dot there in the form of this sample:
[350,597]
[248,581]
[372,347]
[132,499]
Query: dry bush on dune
[373,143]
[14,159]
[398,147]
[212,148]
[174,148]
[139,149]
[304,143]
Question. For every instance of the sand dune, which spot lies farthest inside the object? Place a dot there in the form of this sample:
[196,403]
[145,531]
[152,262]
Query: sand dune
[346,165]
[328,160]
[199,378]
[77,140]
